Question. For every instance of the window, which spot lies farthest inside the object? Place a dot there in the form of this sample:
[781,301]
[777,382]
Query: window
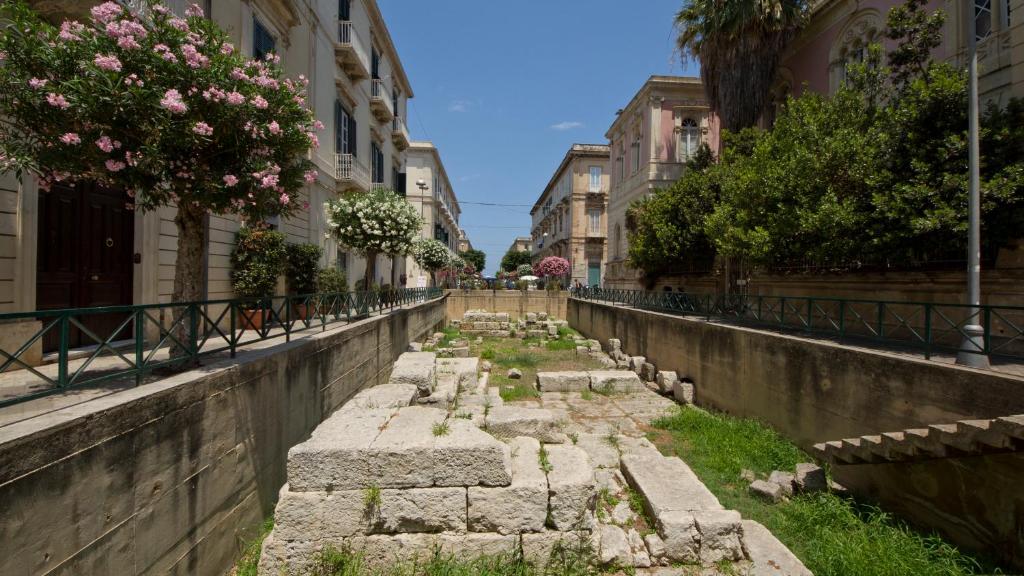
[377,160]
[618,241]
[343,261]
[375,64]
[345,10]
[689,138]
[982,19]
[262,40]
[620,162]
[344,130]
[595,222]
[595,178]
[637,139]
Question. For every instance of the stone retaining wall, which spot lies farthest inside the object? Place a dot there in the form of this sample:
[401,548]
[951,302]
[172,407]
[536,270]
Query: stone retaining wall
[513,302]
[815,391]
[175,475]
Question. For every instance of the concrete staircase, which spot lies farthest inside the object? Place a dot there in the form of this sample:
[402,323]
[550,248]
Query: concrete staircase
[963,438]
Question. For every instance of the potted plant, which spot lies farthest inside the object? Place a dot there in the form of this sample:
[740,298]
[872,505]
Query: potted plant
[256,263]
[301,262]
[333,283]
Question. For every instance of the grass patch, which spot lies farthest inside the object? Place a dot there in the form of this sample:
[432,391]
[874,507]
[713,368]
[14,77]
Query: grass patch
[440,428]
[567,333]
[248,564]
[517,359]
[371,498]
[833,536]
[586,394]
[487,354]
[560,345]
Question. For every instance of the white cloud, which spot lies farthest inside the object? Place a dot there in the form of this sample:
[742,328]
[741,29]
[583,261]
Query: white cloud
[563,126]
[458,106]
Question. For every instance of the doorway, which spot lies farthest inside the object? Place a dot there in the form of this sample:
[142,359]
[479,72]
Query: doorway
[594,274]
[84,259]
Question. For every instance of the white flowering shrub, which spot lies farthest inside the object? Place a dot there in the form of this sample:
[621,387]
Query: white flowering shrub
[373,223]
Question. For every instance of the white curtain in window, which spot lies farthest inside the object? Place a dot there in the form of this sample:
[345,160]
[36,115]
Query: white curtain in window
[689,138]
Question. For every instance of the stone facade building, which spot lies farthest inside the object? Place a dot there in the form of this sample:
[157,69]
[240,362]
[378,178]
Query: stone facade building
[570,217]
[79,247]
[651,140]
[521,244]
[435,202]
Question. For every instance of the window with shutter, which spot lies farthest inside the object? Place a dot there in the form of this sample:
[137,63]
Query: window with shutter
[262,40]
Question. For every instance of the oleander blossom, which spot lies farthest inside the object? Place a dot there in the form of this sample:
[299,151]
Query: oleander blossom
[107,62]
[552,266]
[274,128]
[203,129]
[230,180]
[105,144]
[37,83]
[194,10]
[260,102]
[310,176]
[114,165]
[105,12]
[172,102]
[71,139]
[57,101]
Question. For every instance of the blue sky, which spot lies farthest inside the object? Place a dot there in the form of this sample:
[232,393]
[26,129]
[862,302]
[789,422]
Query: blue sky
[503,89]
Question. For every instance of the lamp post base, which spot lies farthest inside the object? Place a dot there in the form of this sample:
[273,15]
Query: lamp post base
[972,348]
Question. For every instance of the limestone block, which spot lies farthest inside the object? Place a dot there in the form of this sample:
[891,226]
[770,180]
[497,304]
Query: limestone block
[488,326]
[502,317]
[514,374]
[582,351]
[641,558]
[552,330]
[383,396]
[279,556]
[615,547]
[785,480]
[531,318]
[622,364]
[809,478]
[415,347]
[468,456]
[540,423]
[402,454]
[667,484]
[616,381]
[655,545]
[665,380]
[614,344]
[607,363]
[445,392]
[721,535]
[609,479]
[520,507]
[621,514]
[382,552]
[570,487]
[416,368]
[461,352]
[538,546]
[648,372]
[315,515]
[768,556]
[337,454]
[767,491]
[542,316]
[563,381]
[678,531]
[636,363]
[602,453]
[420,510]
[683,392]
[464,368]
[536,333]
[594,345]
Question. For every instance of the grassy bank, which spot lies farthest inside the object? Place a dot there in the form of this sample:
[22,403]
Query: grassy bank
[833,536]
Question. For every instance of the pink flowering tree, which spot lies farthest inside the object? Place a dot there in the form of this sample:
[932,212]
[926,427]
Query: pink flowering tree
[551,267]
[159,106]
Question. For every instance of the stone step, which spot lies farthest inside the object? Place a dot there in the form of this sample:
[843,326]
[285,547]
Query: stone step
[413,447]
[667,484]
[962,438]
[768,556]
[522,506]
[508,422]
[615,381]
[571,488]
[383,396]
[465,369]
[563,381]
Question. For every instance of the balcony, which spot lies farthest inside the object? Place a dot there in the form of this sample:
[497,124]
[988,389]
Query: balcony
[350,173]
[350,52]
[377,186]
[399,133]
[380,102]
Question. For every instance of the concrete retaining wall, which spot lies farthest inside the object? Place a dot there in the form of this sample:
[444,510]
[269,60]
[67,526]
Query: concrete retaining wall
[174,476]
[813,391]
[515,302]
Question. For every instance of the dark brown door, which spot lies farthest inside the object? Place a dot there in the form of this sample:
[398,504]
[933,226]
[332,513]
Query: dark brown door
[84,258]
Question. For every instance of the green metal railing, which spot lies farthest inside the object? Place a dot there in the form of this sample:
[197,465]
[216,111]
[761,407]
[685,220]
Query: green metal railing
[154,336]
[928,327]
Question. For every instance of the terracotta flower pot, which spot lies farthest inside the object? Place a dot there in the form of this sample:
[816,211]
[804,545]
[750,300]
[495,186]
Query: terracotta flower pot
[253,319]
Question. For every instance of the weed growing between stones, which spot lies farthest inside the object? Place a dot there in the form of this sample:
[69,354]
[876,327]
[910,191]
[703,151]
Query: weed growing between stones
[248,564]
[574,437]
[513,392]
[586,394]
[440,428]
[830,534]
[636,504]
[371,499]
[542,457]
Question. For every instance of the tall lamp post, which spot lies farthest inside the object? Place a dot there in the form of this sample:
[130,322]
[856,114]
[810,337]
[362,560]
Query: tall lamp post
[972,349]
[422,185]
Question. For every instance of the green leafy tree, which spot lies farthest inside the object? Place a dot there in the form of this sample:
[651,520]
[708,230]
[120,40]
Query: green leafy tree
[301,264]
[513,258]
[475,257]
[373,223]
[739,44]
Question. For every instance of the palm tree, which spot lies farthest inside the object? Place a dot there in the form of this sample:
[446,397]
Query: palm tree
[739,44]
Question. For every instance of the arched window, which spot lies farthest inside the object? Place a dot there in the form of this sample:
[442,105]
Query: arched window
[851,45]
[689,138]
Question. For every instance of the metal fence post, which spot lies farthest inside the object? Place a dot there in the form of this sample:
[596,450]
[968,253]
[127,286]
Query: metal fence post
[842,319]
[987,334]
[881,319]
[233,341]
[139,349]
[193,321]
[62,351]
[927,331]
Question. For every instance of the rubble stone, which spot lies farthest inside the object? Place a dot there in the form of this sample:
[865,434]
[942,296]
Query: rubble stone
[608,381]
[720,535]
[665,380]
[768,491]
[784,480]
[682,391]
[563,381]
[540,423]
[810,478]
[614,547]
[648,372]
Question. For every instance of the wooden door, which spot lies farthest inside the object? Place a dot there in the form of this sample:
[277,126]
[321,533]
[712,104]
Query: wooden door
[84,258]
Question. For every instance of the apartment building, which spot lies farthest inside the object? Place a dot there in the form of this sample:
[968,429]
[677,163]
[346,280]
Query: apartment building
[570,217]
[465,245]
[839,32]
[429,190]
[79,247]
[651,139]
[521,244]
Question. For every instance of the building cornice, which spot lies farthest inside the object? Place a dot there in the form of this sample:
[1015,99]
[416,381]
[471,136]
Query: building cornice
[426,147]
[646,92]
[382,34]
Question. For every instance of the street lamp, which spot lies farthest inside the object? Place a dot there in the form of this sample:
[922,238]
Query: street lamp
[422,185]
[972,349]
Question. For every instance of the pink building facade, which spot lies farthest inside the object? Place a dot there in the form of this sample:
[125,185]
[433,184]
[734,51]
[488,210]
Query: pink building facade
[660,129]
[840,30]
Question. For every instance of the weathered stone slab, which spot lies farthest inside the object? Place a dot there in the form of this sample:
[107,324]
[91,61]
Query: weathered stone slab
[337,454]
[614,344]
[383,396]
[614,547]
[665,379]
[401,456]
[683,392]
[809,478]
[767,491]
[678,531]
[444,394]
[382,552]
[601,452]
[648,372]
[617,381]
[538,546]
[636,363]
[416,368]
[667,484]
[520,507]
[465,369]
[784,480]
[540,423]
[721,535]
[468,456]
[641,557]
[563,381]
[315,515]
[571,487]
[420,510]
[768,556]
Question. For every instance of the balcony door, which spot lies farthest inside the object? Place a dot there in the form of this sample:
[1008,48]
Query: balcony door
[345,10]
[344,130]
[84,259]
